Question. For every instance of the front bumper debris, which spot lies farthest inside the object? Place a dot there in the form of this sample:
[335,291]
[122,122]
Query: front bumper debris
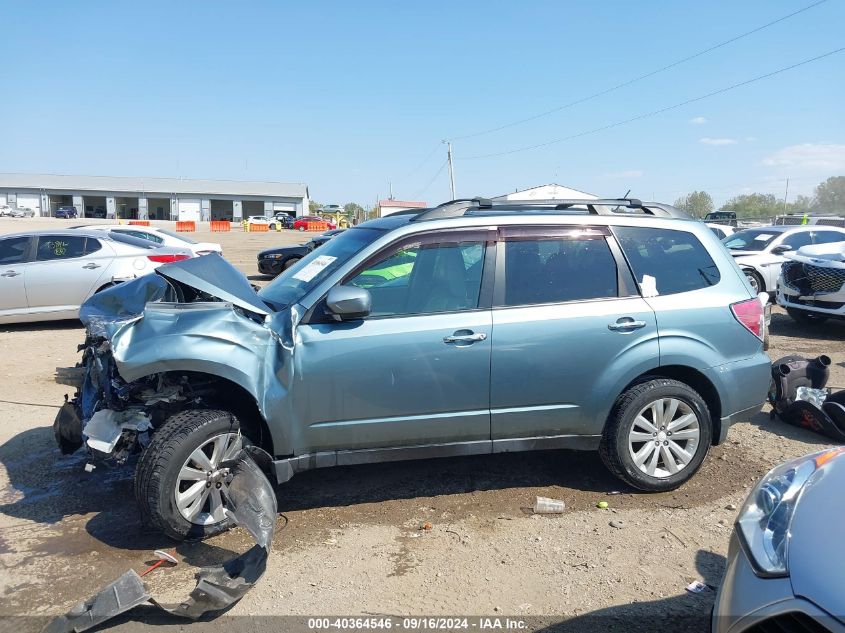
[252,506]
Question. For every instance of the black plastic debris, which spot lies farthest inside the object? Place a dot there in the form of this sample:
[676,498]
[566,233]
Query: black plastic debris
[252,505]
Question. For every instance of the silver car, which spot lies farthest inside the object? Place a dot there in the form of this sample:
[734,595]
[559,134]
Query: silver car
[48,275]
[469,328]
[786,561]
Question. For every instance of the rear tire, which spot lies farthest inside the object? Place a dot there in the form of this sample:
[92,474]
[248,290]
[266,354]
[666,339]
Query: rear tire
[755,280]
[289,263]
[170,473]
[638,446]
[805,317]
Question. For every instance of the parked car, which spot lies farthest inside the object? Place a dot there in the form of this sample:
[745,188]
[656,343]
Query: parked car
[812,283]
[286,219]
[5,210]
[721,230]
[760,252]
[474,327]
[727,218]
[22,212]
[66,213]
[159,236]
[273,223]
[273,261]
[47,275]
[793,219]
[786,561]
[301,223]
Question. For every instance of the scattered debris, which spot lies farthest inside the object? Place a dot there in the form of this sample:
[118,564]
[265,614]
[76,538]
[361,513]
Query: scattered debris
[546,505]
[603,505]
[163,557]
[618,524]
[614,492]
[730,507]
[698,587]
[253,507]
[426,526]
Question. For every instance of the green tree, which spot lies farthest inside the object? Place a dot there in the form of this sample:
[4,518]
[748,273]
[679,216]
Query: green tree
[353,209]
[801,204]
[314,206]
[697,204]
[754,205]
[830,195]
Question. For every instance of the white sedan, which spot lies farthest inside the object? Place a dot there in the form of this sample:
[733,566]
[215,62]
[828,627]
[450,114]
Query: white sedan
[159,236]
[759,252]
[47,275]
[273,223]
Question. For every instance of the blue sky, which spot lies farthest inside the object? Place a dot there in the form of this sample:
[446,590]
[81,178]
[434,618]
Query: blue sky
[347,96]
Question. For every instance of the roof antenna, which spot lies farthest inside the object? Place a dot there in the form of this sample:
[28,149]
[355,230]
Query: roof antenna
[625,197]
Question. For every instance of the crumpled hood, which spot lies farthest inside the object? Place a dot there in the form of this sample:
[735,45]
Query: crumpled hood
[211,274]
[816,555]
[215,276]
[830,255]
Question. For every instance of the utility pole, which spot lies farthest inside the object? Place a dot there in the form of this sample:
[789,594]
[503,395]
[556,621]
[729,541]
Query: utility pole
[785,194]
[451,168]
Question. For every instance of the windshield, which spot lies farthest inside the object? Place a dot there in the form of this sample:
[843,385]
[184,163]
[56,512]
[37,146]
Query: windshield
[750,239]
[308,272]
[187,240]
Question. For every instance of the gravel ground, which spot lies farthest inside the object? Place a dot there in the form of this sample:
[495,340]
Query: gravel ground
[349,541]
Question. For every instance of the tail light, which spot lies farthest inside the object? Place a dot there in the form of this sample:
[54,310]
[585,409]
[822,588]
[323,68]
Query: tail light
[750,314]
[167,259]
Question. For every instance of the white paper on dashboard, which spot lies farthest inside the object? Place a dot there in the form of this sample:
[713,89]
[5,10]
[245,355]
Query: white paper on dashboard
[314,268]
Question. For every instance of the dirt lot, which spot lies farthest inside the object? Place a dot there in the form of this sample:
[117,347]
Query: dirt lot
[349,540]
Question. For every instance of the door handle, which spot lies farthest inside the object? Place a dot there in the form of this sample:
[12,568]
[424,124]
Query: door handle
[469,337]
[625,324]
[91,266]
[10,273]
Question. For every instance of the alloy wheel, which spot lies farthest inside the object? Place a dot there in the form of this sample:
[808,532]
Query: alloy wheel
[201,486]
[664,437]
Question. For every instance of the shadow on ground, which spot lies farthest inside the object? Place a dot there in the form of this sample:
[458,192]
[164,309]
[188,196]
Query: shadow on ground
[682,613]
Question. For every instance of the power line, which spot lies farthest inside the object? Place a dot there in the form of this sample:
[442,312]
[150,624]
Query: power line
[422,162]
[636,79]
[656,112]
[431,182]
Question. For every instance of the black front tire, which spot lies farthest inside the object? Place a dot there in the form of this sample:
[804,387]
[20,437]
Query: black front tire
[805,317]
[615,449]
[157,472]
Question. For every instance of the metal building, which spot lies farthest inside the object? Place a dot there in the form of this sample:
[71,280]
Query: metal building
[152,198]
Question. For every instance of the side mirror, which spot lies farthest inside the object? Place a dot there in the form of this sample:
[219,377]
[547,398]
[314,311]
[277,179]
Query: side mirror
[349,302]
[783,248]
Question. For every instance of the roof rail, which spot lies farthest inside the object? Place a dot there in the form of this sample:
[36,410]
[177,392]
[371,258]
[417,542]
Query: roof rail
[602,206]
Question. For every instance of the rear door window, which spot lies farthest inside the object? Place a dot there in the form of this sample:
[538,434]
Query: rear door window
[827,237]
[51,247]
[666,261]
[559,269]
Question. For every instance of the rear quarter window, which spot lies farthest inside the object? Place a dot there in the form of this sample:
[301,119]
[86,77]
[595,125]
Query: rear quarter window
[666,261]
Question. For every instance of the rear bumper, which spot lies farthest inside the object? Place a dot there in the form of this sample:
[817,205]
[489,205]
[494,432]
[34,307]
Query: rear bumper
[743,387]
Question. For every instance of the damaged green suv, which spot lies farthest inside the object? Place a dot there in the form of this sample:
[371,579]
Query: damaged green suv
[469,328]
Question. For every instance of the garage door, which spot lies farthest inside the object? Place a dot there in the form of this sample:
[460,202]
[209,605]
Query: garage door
[33,201]
[189,209]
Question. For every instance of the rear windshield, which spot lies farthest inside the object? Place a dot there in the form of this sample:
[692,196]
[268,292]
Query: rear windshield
[178,236]
[750,239]
[667,262]
[132,241]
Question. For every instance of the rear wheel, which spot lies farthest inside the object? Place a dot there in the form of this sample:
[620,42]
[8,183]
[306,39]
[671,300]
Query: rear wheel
[658,434]
[755,280]
[289,263]
[179,483]
[805,317]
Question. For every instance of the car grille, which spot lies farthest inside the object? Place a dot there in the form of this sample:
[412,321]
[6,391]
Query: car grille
[794,622]
[807,279]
